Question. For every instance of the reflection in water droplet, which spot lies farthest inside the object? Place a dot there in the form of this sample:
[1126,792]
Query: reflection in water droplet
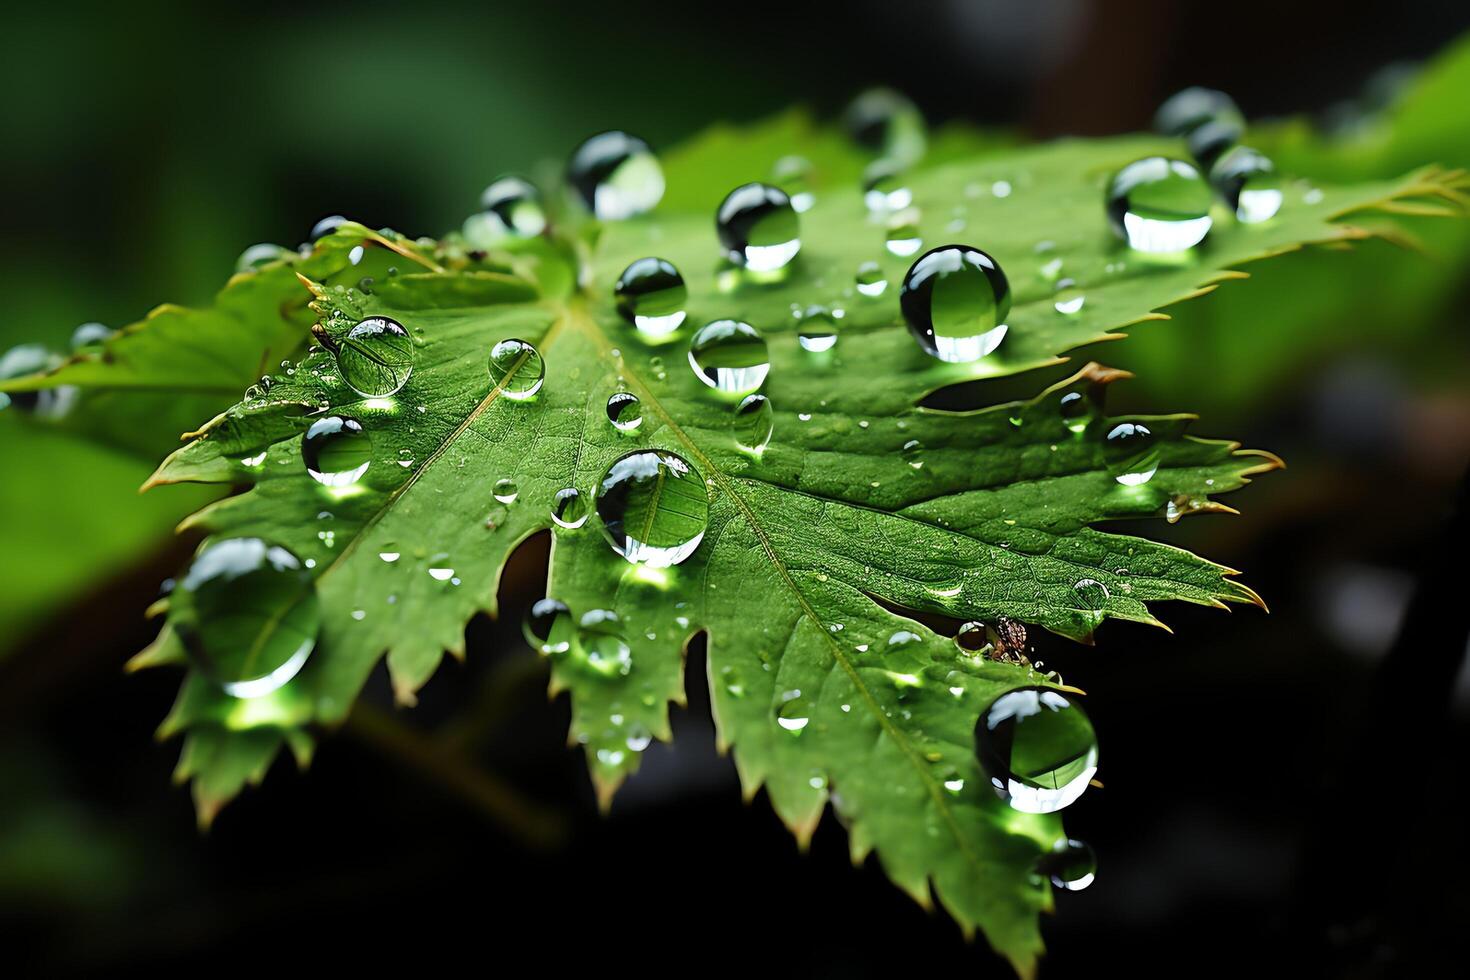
[955,300]
[548,627]
[1247,180]
[1071,865]
[336,451]
[758,227]
[616,175]
[569,508]
[248,615]
[1092,594]
[516,368]
[870,280]
[506,491]
[1038,749]
[1131,452]
[624,411]
[376,357]
[817,331]
[654,507]
[755,420]
[1159,205]
[651,294]
[601,640]
[794,713]
[729,356]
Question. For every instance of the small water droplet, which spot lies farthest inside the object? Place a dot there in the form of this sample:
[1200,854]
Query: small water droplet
[971,637]
[817,331]
[651,295]
[336,450]
[870,280]
[794,713]
[510,208]
[517,369]
[375,359]
[548,627]
[1038,749]
[791,174]
[617,176]
[955,300]
[1131,452]
[624,411]
[654,507]
[1069,299]
[600,637]
[441,574]
[1247,181]
[325,227]
[902,236]
[506,491]
[1092,594]
[1071,865]
[1187,110]
[729,356]
[569,509]
[758,228]
[1159,205]
[886,188]
[755,420]
[257,257]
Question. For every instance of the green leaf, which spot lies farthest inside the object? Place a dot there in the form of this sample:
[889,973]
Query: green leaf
[864,512]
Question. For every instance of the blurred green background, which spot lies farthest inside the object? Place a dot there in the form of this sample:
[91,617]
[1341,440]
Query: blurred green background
[149,145]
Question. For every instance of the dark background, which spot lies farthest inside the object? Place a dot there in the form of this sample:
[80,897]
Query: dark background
[1282,792]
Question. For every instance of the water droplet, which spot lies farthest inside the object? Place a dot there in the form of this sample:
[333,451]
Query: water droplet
[325,227]
[600,637]
[971,637]
[755,420]
[624,411]
[247,613]
[654,507]
[90,335]
[337,451]
[902,236]
[257,257]
[870,279]
[1001,188]
[955,300]
[254,460]
[1131,452]
[1247,180]
[510,208]
[903,638]
[758,227]
[548,627]
[1159,205]
[1209,141]
[913,453]
[639,738]
[389,556]
[517,369]
[794,713]
[569,508]
[617,176]
[817,331]
[886,188]
[1069,299]
[441,573]
[1038,749]
[888,123]
[1185,111]
[650,294]
[1092,594]
[791,174]
[1071,865]
[506,491]
[729,356]
[376,357]
[1076,410]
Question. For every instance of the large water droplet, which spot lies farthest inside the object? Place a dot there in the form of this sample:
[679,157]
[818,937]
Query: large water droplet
[506,490]
[1131,452]
[791,174]
[1038,749]
[755,420]
[888,123]
[569,508]
[651,295]
[654,507]
[1159,205]
[1071,865]
[730,356]
[510,208]
[870,279]
[1092,595]
[516,368]
[955,300]
[337,451]
[617,176]
[624,411]
[548,627]
[376,357]
[248,615]
[817,331]
[758,227]
[257,257]
[603,644]
[1247,181]
[1183,112]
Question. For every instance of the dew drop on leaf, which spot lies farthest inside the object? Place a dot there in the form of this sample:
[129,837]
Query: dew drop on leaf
[758,228]
[376,357]
[955,300]
[651,295]
[1038,749]
[600,638]
[336,450]
[1076,410]
[1092,595]
[516,369]
[817,331]
[1069,299]
[654,507]
[1131,452]
[1185,111]
[1071,865]
[870,279]
[971,637]
[510,208]
[755,420]
[257,257]
[1209,141]
[794,713]
[616,175]
[886,188]
[1159,205]
[791,173]
[730,356]
[902,236]
[548,627]
[506,491]
[624,411]
[569,508]
[1246,179]
[887,123]
[325,227]
[247,613]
